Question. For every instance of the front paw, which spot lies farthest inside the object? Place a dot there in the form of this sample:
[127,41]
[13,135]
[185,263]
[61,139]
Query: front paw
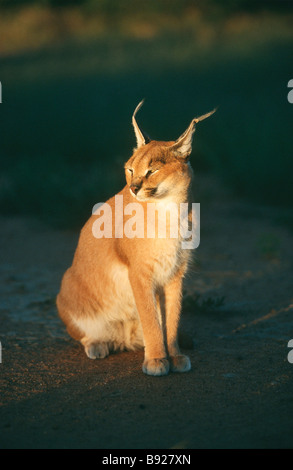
[180,363]
[156,367]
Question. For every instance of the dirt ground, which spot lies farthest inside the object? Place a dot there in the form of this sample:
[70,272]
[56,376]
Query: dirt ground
[239,391]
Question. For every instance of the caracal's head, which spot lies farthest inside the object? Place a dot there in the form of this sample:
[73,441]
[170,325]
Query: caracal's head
[157,170]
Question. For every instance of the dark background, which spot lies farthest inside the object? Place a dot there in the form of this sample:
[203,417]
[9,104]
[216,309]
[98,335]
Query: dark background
[72,73]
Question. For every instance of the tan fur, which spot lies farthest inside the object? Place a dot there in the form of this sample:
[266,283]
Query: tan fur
[125,293]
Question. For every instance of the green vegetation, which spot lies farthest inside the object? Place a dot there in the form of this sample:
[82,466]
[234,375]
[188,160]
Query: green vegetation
[71,78]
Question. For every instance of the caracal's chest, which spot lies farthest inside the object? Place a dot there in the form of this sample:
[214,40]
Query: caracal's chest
[167,252]
[167,258]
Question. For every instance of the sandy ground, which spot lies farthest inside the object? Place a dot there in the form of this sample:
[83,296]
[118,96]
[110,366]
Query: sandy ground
[239,391]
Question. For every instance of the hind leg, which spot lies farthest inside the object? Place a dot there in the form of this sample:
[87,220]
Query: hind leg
[96,349]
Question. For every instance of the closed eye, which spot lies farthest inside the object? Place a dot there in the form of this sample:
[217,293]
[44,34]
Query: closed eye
[130,170]
[150,172]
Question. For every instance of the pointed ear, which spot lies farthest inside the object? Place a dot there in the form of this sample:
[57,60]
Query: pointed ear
[141,137]
[183,146]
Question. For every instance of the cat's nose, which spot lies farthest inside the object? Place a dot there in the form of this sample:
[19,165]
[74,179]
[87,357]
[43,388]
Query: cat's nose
[135,188]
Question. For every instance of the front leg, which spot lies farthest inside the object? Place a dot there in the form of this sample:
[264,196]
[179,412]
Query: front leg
[173,297]
[155,360]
